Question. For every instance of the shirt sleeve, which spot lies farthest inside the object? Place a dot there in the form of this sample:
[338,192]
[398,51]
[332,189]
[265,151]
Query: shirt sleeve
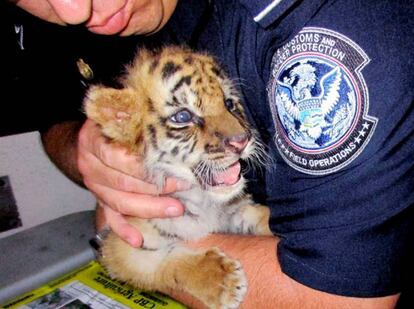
[362,259]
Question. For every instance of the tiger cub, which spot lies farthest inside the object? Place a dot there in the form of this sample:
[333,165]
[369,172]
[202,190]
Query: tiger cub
[181,114]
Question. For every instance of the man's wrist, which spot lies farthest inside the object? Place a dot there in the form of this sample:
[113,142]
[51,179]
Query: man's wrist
[257,255]
[60,143]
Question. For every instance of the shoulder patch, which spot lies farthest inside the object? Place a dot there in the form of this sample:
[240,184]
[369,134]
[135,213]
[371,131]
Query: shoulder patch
[319,101]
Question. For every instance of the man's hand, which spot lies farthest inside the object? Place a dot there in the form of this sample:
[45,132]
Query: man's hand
[117,180]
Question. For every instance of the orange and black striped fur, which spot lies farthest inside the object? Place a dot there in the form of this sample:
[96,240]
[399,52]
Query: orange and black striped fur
[181,114]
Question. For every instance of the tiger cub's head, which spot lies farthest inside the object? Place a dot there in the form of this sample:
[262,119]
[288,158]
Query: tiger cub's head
[179,111]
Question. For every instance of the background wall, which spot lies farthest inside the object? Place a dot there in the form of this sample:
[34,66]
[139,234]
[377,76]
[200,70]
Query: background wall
[41,191]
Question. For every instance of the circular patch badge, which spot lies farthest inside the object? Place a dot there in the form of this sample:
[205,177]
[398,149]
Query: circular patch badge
[319,101]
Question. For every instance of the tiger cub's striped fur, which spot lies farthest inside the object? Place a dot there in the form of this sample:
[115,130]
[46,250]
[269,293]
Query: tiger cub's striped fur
[180,113]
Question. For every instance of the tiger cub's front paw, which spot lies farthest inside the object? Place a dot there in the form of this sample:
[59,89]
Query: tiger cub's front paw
[226,284]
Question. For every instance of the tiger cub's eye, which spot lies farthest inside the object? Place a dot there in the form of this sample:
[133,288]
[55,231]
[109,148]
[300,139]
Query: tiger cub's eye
[183,116]
[229,104]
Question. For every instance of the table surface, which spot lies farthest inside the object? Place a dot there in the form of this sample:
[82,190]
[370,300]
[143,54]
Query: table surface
[42,253]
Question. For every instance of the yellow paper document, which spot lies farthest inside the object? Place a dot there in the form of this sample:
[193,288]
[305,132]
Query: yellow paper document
[90,287]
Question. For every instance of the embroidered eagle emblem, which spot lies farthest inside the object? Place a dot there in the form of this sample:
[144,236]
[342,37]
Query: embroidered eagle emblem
[309,111]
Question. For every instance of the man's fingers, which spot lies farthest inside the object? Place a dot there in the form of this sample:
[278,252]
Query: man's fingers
[110,165]
[93,142]
[120,226]
[137,205]
[94,171]
[118,181]
[172,185]
[115,156]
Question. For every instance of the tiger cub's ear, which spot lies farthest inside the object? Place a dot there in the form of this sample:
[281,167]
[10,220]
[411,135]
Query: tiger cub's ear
[116,111]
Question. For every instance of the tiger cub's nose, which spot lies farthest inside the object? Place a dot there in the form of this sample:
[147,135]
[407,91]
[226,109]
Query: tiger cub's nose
[237,143]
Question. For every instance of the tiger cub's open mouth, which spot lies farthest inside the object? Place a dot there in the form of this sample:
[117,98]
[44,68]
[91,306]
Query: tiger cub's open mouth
[222,177]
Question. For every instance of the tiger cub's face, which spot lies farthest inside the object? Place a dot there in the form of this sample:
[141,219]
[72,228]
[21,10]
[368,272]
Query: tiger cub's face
[181,113]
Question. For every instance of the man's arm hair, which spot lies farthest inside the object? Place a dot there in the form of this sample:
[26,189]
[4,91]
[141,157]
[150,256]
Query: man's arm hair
[268,286]
[60,143]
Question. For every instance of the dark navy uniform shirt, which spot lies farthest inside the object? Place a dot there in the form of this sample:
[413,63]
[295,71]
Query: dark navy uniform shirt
[329,85]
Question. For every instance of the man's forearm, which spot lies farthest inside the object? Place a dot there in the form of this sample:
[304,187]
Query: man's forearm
[268,286]
[60,143]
